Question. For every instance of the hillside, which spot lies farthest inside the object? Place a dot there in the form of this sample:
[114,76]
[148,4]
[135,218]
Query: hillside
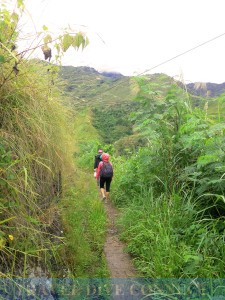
[108,95]
[113,97]
[85,85]
[206,89]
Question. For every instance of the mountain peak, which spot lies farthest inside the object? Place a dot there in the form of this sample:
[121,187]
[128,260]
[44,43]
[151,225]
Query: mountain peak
[111,74]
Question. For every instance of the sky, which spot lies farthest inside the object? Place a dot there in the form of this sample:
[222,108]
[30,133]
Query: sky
[136,37]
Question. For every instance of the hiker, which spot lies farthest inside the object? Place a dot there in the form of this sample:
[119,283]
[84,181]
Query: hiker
[98,158]
[105,174]
[97,161]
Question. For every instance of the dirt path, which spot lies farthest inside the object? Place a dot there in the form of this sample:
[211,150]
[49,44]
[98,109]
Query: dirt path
[119,262]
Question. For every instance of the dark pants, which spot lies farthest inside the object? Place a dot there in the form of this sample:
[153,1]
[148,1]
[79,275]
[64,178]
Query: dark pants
[105,181]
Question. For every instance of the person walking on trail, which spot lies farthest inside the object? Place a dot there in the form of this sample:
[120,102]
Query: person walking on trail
[105,175]
[97,160]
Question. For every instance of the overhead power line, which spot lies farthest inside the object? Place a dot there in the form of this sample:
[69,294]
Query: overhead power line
[174,57]
[168,60]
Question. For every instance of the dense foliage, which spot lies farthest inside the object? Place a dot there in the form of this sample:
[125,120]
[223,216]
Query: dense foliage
[169,176]
[169,157]
[111,123]
[172,190]
[38,180]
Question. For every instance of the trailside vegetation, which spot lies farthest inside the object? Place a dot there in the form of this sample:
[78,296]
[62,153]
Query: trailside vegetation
[171,190]
[41,212]
[169,168]
[169,173]
[110,121]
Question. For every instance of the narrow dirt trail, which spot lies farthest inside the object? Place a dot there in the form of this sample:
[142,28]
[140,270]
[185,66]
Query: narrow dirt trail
[119,262]
[124,278]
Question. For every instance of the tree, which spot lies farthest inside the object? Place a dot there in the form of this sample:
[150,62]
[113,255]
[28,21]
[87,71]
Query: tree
[52,48]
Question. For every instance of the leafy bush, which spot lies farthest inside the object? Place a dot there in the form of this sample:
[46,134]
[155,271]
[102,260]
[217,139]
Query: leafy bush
[35,156]
[167,239]
[110,121]
[172,189]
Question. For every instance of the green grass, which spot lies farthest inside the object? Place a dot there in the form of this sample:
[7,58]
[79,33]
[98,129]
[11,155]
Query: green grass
[84,220]
[40,187]
[83,215]
[35,165]
[37,186]
[168,238]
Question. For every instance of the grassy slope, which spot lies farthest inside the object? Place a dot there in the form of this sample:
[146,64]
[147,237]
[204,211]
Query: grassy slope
[36,142]
[111,99]
[84,217]
[85,86]
[35,154]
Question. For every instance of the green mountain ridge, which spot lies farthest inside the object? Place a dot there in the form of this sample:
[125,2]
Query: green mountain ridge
[88,86]
[112,98]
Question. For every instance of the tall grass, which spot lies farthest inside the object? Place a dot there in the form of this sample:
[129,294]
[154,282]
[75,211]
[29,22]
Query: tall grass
[36,161]
[172,190]
[87,138]
[168,238]
[37,147]
[83,215]
[84,222]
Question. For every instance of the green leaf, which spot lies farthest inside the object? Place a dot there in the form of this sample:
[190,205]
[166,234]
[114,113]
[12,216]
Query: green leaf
[15,17]
[32,220]
[78,40]
[57,48]
[2,242]
[216,129]
[2,59]
[45,28]
[207,159]
[86,41]
[47,39]
[67,42]
[20,4]
[195,258]
[25,177]
[6,220]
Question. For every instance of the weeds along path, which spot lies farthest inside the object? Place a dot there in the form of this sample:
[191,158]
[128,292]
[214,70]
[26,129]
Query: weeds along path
[119,262]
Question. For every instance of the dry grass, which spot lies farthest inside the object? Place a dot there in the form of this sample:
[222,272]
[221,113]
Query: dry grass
[36,151]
